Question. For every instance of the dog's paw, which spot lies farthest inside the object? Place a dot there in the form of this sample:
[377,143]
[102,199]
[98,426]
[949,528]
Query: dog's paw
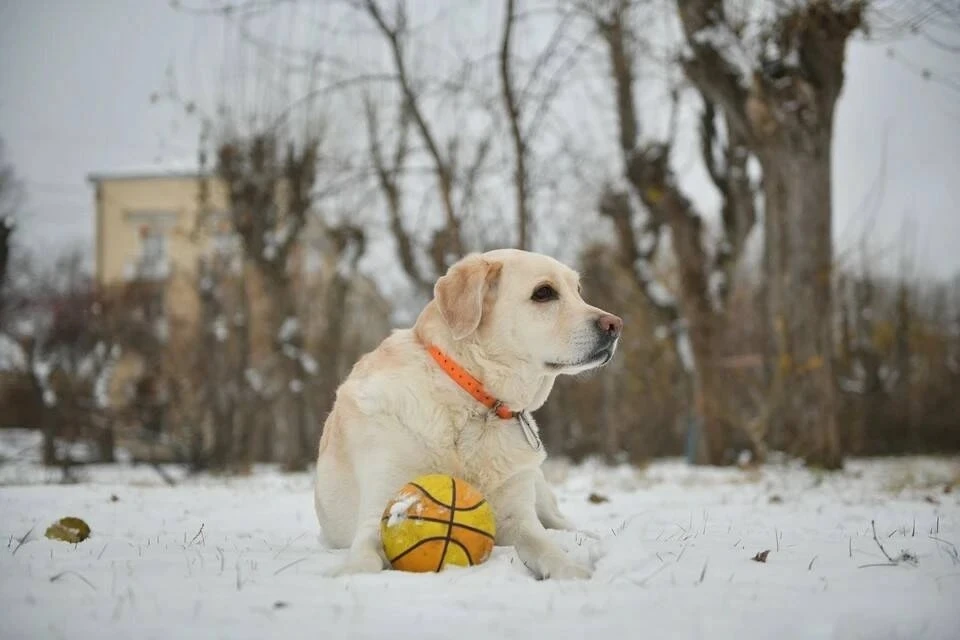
[562,568]
[359,565]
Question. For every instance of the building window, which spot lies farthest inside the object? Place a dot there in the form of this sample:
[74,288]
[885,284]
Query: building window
[152,261]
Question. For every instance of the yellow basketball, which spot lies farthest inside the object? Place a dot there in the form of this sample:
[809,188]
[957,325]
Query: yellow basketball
[435,521]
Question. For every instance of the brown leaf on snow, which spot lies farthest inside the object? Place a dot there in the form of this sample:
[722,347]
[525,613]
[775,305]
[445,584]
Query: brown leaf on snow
[596,498]
[69,529]
[761,556]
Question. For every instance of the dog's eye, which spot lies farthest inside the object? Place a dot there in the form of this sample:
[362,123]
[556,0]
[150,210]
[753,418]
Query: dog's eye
[544,293]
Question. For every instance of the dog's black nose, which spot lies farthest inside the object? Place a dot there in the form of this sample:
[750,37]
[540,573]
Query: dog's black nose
[610,325]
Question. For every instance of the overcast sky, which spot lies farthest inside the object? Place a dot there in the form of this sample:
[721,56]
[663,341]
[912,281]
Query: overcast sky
[76,77]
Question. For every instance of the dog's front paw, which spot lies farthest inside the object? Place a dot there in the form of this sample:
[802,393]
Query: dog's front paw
[562,568]
[357,564]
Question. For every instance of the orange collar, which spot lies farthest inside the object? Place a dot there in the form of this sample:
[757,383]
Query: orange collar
[470,384]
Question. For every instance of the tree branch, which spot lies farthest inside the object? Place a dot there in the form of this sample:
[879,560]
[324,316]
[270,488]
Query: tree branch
[713,74]
[444,174]
[387,178]
[520,178]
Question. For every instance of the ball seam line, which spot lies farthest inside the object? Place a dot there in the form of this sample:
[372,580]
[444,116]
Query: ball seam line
[453,513]
[428,495]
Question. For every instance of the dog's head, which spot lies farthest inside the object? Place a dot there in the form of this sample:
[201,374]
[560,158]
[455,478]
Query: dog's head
[523,307]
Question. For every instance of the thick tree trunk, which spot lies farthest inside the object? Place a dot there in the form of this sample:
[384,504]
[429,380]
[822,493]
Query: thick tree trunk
[799,250]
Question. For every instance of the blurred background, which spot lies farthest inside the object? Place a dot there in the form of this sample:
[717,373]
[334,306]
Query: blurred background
[209,210]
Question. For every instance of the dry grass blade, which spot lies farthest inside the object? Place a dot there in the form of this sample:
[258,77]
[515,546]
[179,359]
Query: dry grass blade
[288,565]
[22,540]
[72,573]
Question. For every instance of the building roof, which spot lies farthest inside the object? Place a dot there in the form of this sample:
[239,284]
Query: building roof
[153,171]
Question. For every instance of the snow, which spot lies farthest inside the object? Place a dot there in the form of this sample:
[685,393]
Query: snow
[241,557]
[400,508]
[289,329]
[309,364]
[660,295]
[685,351]
[220,330]
[12,357]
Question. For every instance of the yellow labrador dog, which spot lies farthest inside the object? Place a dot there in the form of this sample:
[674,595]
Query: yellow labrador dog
[453,395]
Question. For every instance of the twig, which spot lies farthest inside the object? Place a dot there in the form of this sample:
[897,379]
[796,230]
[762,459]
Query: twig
[286,546]
[22,540]
[905,556]
[287,566]
[64,573]
[100,555]
[877,540]
[812,560]
[703,572]
[199,533]
[649,576]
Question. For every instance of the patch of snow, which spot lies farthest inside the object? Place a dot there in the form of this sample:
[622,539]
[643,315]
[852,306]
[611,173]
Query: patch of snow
[12,357]
[660,295]
[309,364]
[685,351]
[241,557]
[220,330]
[25,328]
[647,242]
[288,329]
[254,379]
[400,508]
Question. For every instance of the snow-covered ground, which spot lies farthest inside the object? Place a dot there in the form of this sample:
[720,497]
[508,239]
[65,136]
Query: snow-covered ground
[240,558]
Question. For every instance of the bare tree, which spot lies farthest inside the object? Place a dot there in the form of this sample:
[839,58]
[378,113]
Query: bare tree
[697,317]
[447,244]
[778,96]
[270,199]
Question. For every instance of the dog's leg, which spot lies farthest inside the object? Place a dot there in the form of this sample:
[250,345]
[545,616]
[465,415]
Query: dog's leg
[550,514]
[514,504]
[366,550]
[547,509]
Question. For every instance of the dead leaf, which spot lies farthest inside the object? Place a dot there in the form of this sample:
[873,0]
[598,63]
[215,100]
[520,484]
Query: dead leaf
[775,499]
[761,556]
[70,529]
[114,498]
[931,500]
[280,604]
[596,498]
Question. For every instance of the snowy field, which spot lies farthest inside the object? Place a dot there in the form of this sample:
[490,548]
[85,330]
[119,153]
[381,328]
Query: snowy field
[241,558]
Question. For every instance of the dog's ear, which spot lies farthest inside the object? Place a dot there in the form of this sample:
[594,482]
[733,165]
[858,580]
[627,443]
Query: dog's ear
[461,294]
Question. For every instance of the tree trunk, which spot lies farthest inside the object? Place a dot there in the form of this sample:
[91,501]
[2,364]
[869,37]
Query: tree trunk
[799,246]
[290,406]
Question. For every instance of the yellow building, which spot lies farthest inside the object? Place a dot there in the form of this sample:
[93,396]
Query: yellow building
[147,224]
